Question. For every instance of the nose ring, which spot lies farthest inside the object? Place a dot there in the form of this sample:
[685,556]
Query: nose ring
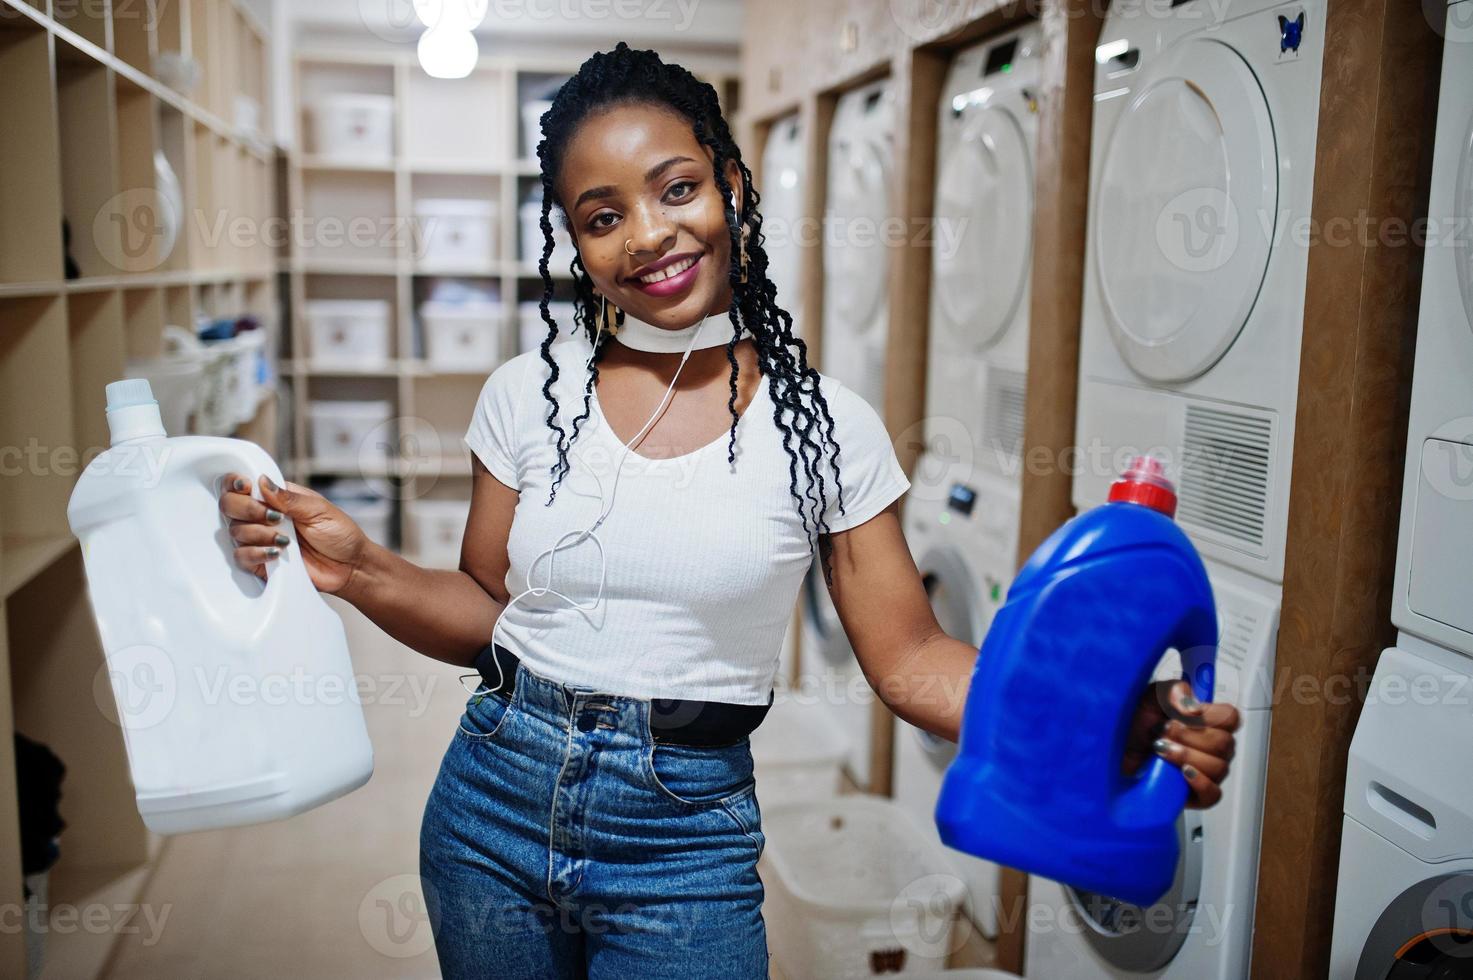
[627,249]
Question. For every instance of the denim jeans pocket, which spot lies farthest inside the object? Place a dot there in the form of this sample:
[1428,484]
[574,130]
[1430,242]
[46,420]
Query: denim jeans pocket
[701,776]
[485,715]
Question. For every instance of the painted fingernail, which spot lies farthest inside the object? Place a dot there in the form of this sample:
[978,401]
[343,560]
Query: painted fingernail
[1189,771]
[272,516]
[1161,746]
[269,485]
[283,540]
[1189,702]
[237,484]
[273,552]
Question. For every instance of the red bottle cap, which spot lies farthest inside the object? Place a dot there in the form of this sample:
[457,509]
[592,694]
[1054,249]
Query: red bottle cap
[1144,482]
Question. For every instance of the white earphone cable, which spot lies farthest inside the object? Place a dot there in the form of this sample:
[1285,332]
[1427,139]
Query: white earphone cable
[605,507]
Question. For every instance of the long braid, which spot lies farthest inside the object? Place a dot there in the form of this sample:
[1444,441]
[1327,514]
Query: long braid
[626,76]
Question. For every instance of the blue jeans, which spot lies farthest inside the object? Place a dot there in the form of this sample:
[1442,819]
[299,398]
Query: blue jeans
[561,840]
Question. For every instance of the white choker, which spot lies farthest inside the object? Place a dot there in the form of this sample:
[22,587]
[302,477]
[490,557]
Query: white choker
[638,335]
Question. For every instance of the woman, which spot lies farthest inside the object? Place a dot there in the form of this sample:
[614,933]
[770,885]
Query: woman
[595,813]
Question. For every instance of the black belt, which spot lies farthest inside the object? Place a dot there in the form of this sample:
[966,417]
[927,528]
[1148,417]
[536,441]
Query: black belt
[679,721]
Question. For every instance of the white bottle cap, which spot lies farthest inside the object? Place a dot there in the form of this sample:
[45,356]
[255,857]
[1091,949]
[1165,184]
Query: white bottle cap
[129,392]
[132,412]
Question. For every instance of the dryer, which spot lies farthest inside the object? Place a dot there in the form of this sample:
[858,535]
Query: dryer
[966,570]
[784,180]
[856,227]
[1201,174]
[981,253]
[1201,170]
[1404,901]
[856,273]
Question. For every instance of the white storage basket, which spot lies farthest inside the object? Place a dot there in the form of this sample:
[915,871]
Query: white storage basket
[455,231]
[437,528]
[856,889]
[351,433]
[349,333]
[353,127]
[461,337]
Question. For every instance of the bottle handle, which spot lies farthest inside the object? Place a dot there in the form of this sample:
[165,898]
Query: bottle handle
[1160,791]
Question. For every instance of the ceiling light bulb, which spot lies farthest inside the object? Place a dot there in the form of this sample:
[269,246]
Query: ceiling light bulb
[459,15]
[445,53]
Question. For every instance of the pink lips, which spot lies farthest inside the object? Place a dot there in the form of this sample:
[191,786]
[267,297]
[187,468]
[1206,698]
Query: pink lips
[673,284]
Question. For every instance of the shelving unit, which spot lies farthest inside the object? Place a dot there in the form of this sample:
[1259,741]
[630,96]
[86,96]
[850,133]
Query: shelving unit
[86,113]
[458,139]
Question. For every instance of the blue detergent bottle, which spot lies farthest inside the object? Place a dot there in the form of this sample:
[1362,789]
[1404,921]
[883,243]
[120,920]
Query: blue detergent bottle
[1037,783]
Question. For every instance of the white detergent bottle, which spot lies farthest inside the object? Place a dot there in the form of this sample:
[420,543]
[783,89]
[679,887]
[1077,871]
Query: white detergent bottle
[236,697]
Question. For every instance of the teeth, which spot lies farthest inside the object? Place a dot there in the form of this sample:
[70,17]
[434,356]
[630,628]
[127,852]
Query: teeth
[676,269]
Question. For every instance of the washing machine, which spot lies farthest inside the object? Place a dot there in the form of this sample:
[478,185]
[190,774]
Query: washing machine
[1201,167]
[830,678]
[1201,171]
[981,252]
[1404,900]
[1203,927]
[964,547]
[856,258]
[783,184]
[1404,903]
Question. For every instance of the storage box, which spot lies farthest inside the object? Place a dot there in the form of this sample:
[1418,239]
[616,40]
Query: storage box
[351,433]
[797,755]
[855,889]
[351,333]
[461,337]
[437,528]
[455,231]
[532,329]
[350,126]
[530,219]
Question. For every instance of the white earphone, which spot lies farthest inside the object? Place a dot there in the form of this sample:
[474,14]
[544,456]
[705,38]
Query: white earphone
[589,532]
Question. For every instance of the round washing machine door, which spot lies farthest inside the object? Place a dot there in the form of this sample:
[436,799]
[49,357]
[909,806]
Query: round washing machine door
[857,263]
[1185,211]
[1139,940]
[1426,933]
[982,246]
[964,608]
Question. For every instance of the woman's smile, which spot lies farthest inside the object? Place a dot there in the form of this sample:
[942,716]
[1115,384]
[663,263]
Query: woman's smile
[670,276]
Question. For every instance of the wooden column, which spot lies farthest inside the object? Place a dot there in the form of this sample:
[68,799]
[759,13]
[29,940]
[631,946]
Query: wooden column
[1373,162]
[1061,190]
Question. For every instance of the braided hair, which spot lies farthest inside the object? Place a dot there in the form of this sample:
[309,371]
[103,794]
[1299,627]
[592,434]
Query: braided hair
[625,76]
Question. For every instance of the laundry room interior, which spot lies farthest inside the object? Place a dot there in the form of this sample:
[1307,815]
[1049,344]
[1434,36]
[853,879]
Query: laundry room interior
[1164,307]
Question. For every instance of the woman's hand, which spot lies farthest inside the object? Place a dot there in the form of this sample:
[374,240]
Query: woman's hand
[330,543]
[1197,737]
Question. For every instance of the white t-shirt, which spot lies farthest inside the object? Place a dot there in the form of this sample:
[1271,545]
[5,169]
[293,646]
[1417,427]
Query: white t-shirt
[704,559]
